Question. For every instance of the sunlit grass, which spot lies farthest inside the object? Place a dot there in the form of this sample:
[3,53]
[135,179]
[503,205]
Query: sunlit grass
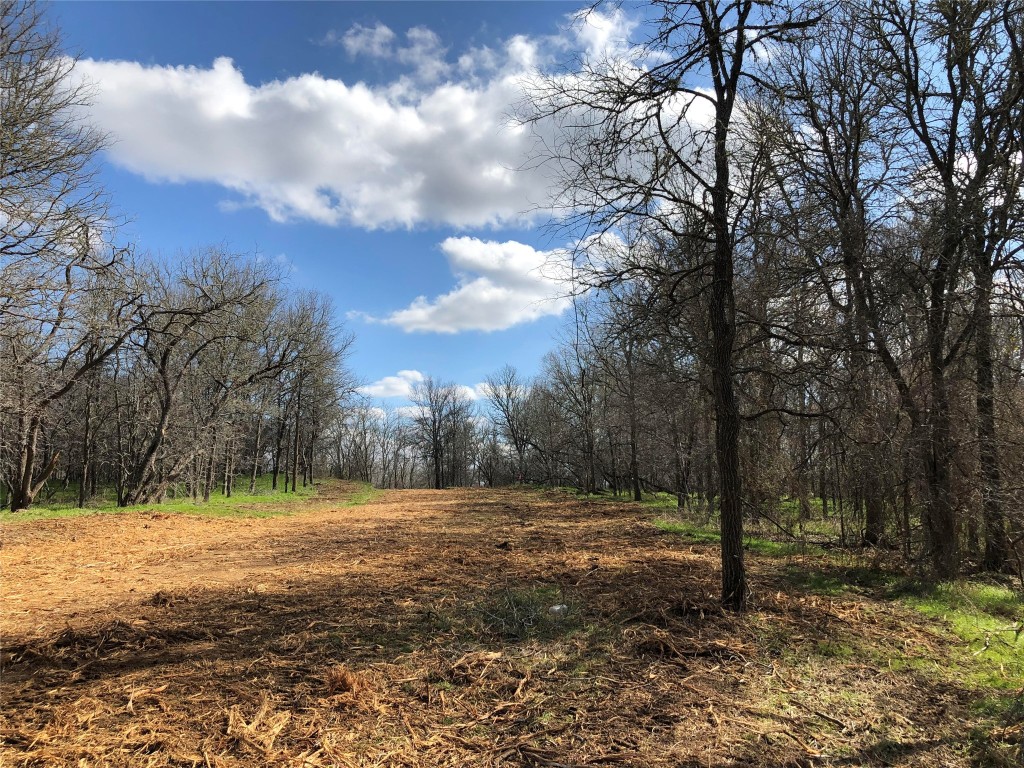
[263,502]
[707,535]
[989,620]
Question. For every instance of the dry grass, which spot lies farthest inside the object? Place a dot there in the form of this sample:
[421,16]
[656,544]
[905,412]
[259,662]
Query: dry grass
[416,631]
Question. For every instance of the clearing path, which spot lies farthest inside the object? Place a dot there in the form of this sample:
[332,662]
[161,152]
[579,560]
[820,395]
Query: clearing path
[418,630]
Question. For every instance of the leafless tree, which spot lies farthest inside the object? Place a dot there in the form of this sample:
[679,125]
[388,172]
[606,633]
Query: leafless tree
[649,144]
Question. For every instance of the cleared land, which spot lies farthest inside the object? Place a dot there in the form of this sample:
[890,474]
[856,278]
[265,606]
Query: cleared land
[415,629]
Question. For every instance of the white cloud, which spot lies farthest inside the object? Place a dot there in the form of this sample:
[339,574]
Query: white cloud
[320,149]
[434,145]
[404,383]
[476,392]
[369,41]
[604,35]
[500,285]
[399,385]
[425,54]
[423,50]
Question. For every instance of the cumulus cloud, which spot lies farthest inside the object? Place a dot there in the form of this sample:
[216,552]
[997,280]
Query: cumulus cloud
[372,41]
[399,385]
[320,149]
[604,35]
[434,145]
[404,383]
[423,51]
[499,285]
[425,54]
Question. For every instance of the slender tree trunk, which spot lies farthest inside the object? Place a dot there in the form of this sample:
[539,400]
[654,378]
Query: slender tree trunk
[229,465]
[278,452]
[210,465]
[614,463]
[996,543]
[256,454]
[298,432]
[83,486]
[634,460]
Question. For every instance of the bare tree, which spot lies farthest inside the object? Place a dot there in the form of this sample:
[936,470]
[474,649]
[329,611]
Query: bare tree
[650,143]
[442,428]
[68,297]
[508,394]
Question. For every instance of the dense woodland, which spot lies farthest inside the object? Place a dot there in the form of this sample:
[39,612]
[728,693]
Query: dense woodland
[797,277]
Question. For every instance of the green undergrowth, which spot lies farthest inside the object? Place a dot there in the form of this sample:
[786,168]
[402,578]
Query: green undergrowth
[988,619]
[981,622]
[702,534]
[263,503]
[983,619]
[364,495]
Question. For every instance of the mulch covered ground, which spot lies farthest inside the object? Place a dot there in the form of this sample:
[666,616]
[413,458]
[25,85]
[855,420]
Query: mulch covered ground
[418,630]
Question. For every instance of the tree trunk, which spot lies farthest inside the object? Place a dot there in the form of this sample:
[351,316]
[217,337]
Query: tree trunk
[996,543]
[210,464]
[634,461]
[26,487]
[295,445]
[83,485]
[256,455]
[940,520]
[722,310]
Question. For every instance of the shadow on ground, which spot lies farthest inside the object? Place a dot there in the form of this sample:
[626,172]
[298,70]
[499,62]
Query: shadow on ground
[430,640]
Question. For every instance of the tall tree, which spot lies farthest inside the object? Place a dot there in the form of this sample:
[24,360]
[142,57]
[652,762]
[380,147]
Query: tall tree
[648,143]
[67,295]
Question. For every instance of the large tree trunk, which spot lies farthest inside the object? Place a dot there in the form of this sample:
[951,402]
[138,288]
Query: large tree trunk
[26,486]
[727,416]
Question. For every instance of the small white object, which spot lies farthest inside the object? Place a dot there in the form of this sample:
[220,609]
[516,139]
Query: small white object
[558,611]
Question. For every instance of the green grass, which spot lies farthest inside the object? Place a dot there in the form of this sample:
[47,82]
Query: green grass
[261,504]
[524,612]
[706,535]
[364,495]
[989,621]
[983,621]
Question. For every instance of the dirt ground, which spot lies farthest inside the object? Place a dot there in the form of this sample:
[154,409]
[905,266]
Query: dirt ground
[418,630]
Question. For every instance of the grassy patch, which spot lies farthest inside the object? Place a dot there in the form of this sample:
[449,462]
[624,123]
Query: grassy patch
[263,502]
[57,513]
[364,495]
[701,534]
[984,623]
[989,620]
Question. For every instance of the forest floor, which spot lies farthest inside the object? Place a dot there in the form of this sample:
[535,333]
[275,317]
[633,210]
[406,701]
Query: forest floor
[414,628]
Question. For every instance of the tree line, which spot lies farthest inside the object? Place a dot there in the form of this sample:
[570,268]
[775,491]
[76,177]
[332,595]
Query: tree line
[143,375]
[799,268]
[797,276]
[815,209]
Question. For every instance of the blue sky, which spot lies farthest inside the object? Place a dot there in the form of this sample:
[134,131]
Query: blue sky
[365,146]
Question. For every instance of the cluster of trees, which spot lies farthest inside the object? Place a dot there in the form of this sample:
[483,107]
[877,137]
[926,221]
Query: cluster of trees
[801,240]
[799,276]
[813,212]
[142,375]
